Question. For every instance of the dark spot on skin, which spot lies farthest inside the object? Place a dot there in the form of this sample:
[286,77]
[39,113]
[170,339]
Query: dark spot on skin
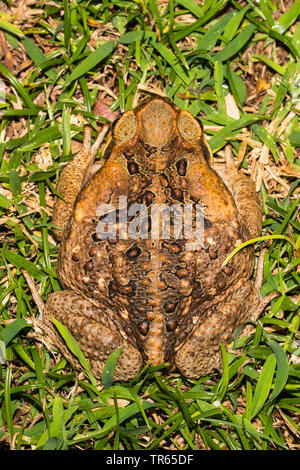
[228,270]
[132,211]
[128,330]
[182,334]
[89,266]
[189,324]
[207,223]
[114,123]
[150,149]
[222,285]
[177,194]
[174,248]
[169,307]
[130,289]
[96,237]
[93,251]
[181,272]
[194,199]
[103,216]
[140,309]
[147,197]
[197,291]
[144,327]
[212,253]
[111,288]
[128,153]
[75,257]
[132,167]
[164,180]
[133,252]
[145,226]
[171,325]
[181,166]
[151,166]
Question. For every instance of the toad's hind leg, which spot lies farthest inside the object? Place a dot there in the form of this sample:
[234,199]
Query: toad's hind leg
[94,333]
[201,353]
[247,200]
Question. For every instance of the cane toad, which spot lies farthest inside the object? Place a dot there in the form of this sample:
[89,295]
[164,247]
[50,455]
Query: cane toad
[151,282]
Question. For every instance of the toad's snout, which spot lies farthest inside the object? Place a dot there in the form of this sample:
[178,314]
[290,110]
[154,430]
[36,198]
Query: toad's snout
[157,120]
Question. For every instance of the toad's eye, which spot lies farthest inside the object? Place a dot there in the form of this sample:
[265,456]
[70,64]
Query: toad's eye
[181,166]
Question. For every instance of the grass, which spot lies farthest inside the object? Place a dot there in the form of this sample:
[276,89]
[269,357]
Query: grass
[234,65]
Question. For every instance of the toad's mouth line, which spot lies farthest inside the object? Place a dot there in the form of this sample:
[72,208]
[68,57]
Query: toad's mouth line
[156,222]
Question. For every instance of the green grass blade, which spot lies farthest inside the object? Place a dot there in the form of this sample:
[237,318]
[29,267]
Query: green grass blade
[132,36]
[4,202]
[192,7]
[12,329]
[109,368]
[211,13]
[282,372]
[2,352]
[270,63]
[233,25]
[11,28]
[295,138]
[264,385]
[255,240]
[63,68]
[66,130]
[67,25]
[218,140]
[42,137]
[92,60]
[262,26]
[17,86]
[234,46]
[237,86]
[8,409]
[172,61]
[33,51]
[75,349]
[267,139]
[288,18]
[225,375]
[156,14]
[15,182]
[21,262]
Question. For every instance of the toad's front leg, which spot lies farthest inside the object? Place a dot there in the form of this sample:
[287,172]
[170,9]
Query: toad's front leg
[71,179]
